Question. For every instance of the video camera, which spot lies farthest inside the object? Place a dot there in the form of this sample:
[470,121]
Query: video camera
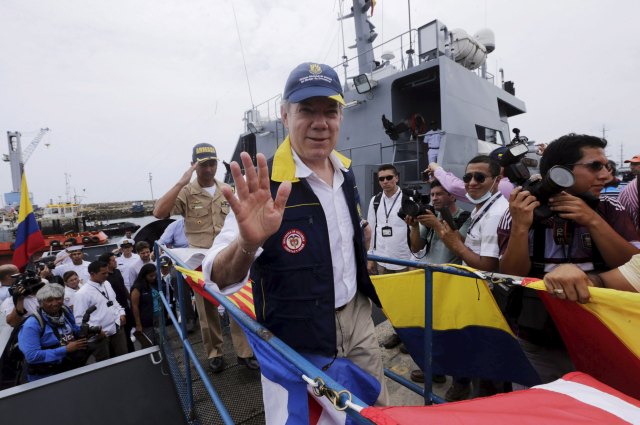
[414,204]
[516,168]
[87,331]
[27,283]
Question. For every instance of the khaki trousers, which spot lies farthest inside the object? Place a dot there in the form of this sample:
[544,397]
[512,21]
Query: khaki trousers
[356,340]
[212,331]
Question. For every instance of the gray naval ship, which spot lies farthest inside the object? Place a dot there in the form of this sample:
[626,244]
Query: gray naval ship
[430,78]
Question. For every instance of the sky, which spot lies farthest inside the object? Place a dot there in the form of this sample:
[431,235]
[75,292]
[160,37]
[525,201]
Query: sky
[128,87]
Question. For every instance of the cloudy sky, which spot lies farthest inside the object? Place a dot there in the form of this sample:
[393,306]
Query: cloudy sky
[128,87]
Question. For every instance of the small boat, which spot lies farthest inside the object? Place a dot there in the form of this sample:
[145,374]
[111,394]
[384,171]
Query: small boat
[113,229]
[58,222]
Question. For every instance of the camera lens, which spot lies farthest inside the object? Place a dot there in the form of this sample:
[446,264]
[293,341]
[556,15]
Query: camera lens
[561,177]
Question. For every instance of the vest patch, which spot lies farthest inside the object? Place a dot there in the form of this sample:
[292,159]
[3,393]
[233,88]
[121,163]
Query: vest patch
[294,241]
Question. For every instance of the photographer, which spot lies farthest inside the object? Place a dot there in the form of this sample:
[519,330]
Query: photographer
[22,303]
[595,234]
[47,346]
[423,231]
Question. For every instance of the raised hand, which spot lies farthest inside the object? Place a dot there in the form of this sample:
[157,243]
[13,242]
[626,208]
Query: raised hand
[521,206]
[258,215]
[186,177]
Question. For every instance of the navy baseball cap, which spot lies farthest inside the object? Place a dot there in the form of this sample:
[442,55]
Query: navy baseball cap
[313,80]
[203,152]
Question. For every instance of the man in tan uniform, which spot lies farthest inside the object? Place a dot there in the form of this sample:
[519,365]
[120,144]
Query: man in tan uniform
[204,209]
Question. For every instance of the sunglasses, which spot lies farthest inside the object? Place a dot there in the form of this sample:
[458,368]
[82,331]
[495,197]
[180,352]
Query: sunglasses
[383,178]
[477,176]
[593,166]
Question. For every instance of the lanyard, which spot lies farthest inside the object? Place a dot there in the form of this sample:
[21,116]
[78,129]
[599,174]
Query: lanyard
[384,201]
[483,211]
[104,294]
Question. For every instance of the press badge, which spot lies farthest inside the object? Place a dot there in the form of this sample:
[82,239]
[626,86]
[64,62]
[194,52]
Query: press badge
[387,231]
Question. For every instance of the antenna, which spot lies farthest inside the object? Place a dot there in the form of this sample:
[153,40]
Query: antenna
[345,63]
[410,51]
[151,185]
[244,62]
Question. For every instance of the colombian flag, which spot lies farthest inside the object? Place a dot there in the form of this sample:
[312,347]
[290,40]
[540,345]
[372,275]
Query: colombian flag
[602,336]
[29,238]
[471,338]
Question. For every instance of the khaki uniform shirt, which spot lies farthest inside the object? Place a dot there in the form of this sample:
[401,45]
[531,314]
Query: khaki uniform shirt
[203,215]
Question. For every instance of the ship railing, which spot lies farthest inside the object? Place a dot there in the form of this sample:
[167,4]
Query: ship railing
[381,148]
[402,46]
[184,384]
[266,111]
[184,380]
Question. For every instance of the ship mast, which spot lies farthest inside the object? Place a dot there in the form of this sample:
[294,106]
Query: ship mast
[365,35]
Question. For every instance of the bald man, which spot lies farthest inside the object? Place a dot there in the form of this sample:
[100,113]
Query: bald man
[6,270]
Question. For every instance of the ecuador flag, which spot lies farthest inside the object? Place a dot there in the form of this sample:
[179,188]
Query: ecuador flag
[601,336]
[471,338]
[29,238]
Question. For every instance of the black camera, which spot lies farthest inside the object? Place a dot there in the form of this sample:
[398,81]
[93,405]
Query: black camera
[516,168]
[557,179]
[87,331]
[27,283]
[414,204]
[514,161]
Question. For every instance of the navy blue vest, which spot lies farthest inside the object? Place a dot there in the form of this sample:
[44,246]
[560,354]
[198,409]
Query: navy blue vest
[293,290]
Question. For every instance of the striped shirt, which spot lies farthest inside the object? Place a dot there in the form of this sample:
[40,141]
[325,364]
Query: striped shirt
[580,251]
[629,199]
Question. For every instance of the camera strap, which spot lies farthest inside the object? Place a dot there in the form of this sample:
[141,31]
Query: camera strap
[105,294]
[562,232]
[483,211]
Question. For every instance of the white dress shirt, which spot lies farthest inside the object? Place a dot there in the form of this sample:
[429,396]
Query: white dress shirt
[93,293]
[396,245]
[340,229]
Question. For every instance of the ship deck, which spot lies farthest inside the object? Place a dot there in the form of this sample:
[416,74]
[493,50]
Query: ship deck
[240,389]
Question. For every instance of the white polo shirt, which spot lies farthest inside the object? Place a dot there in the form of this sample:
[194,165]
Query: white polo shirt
[482,236]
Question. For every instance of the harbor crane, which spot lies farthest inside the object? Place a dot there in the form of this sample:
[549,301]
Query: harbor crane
[17,158]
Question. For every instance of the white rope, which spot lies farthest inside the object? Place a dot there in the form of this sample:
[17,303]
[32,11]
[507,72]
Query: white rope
[310,381]
[354,406]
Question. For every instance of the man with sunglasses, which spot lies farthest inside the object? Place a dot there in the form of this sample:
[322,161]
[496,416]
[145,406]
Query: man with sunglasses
[596,235]
[603,234]
[480,247]
[389,230]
